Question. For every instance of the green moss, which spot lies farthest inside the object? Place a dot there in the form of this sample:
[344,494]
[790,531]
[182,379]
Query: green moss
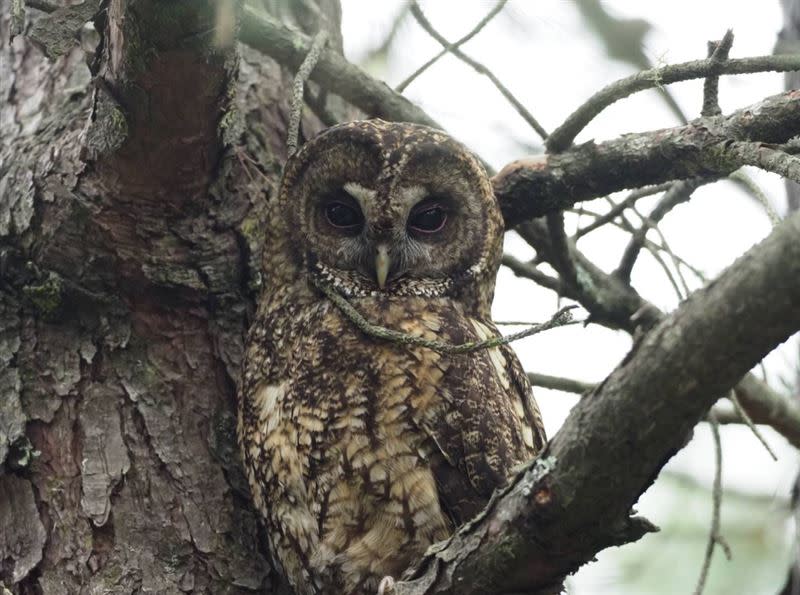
[46,297]
[249,228]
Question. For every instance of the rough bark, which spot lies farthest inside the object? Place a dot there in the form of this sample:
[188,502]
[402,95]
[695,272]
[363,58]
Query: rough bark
[130,195]
[536,186]
[789,43]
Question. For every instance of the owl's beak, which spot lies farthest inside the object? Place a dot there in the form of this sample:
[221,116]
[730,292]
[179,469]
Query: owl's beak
[382,265]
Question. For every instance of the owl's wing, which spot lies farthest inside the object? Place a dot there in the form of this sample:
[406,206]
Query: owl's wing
[533,415]
[485,424]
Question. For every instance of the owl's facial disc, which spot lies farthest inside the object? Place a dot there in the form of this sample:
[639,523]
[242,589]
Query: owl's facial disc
[390,207]
[385,240]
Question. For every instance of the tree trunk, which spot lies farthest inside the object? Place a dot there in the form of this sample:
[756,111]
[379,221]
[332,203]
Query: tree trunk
[131,202]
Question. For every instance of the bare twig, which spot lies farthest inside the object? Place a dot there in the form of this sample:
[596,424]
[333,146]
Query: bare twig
[480,68]
[567,385]
[718,53]
[617,305]
[529,271]
[749,423]
[739,177]
[618,208]
[679,193]
[399,18]
[562,137]
[714,537]
[561,318]
[684,290]
[634,160]
[481,24]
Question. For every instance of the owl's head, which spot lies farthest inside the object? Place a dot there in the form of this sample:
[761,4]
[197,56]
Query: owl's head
[374,206]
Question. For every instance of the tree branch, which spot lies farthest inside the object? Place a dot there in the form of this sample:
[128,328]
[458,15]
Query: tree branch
[533,187]
[562,137]
[575,499]
[333,72]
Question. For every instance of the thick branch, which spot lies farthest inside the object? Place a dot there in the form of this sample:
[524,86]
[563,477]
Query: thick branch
[532,187]
[333,72]
[575,499]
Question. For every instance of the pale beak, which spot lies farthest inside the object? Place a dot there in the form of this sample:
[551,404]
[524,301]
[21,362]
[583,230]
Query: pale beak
[382,264]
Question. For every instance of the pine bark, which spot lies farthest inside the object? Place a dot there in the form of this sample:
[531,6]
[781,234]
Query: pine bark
[132,183]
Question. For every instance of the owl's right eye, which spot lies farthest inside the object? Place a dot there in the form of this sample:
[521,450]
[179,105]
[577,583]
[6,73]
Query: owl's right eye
[343,216]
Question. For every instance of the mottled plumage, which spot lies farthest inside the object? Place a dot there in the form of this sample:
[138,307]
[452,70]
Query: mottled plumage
[360,453]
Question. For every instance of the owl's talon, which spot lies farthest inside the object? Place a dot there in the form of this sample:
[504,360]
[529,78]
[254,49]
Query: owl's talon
[386,586]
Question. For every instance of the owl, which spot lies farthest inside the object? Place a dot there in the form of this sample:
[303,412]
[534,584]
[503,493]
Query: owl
[362,452]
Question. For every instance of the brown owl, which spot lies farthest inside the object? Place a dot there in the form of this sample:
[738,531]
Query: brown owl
[361,452]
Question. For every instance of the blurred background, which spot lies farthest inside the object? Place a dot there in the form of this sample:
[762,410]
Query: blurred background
[553,55]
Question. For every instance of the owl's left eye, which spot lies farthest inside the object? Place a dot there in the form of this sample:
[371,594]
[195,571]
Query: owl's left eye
[430,218]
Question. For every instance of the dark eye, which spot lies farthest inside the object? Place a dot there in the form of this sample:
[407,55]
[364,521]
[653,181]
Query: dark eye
[344,216]
[428,219]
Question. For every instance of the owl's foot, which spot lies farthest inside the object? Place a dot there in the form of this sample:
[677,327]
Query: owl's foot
[386,586]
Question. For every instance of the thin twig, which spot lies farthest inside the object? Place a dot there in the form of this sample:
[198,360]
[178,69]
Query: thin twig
[388,40]
[299,85]
[749,423]
[567,385]
[714,537]
[562,137]
[561,318]
[620,207]
[679,193]
[529,271]
[480,68]
[756,192]
[665,248]
[481,24]
[718,53]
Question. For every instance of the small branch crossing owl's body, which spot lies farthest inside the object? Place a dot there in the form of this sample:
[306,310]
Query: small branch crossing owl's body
[361,453]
